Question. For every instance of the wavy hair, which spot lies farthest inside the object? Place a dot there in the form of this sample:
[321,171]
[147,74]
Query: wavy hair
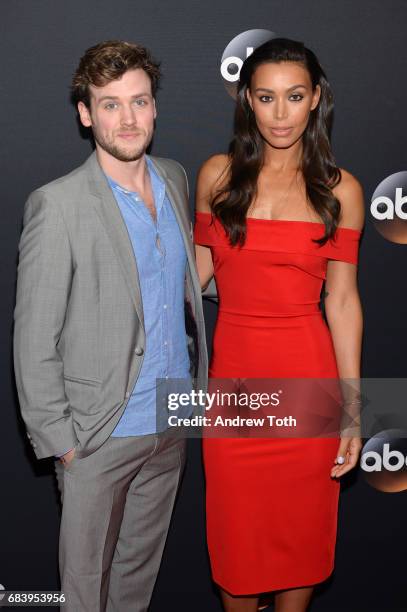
[246,151]
[108,61]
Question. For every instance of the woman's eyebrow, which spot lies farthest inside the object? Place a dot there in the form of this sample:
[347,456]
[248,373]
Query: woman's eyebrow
[272,90]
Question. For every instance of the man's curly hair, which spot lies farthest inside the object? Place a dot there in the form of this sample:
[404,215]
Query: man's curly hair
[108,61]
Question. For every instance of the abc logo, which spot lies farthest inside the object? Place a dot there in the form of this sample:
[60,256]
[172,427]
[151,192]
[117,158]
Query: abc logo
[384,461]
[236,52]
[389,208]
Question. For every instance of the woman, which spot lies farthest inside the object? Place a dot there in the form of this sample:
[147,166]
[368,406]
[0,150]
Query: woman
[275,219]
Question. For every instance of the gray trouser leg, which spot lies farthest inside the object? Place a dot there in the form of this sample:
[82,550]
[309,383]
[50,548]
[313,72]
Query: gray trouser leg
[117,505]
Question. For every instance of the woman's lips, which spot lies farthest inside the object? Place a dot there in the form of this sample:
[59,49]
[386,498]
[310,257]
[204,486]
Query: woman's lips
[281,131]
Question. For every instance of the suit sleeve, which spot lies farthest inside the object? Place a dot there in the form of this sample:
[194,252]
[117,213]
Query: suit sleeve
[44,280]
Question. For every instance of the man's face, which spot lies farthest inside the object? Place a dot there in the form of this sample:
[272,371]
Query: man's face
[121,115]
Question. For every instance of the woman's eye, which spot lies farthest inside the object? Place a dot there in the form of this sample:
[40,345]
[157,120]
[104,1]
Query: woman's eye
[265,98]
[296,97]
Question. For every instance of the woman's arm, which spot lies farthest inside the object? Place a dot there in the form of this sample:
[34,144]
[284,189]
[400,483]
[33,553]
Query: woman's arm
[345,319]
[208,181]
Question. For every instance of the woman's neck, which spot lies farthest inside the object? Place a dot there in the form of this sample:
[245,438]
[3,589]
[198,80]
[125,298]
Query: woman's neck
[283,160]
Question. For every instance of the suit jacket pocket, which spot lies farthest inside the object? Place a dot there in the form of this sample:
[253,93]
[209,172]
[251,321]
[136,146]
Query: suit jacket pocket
[83,381]
[83,394]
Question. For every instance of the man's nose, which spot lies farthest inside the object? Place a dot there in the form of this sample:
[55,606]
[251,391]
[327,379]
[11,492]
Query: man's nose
[128,115]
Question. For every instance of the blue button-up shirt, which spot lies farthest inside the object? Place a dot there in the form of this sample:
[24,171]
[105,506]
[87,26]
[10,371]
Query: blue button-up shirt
[161,262]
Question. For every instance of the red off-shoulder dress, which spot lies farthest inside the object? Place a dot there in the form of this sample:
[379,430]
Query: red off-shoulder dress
[271,503]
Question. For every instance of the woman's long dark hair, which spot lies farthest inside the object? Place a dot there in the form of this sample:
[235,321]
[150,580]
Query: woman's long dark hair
[231,203]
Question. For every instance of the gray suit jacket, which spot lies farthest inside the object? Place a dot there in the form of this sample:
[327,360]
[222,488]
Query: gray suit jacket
[79,334]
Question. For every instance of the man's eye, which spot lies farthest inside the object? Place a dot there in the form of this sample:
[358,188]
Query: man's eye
[110,106]
[296,97]
[140,102]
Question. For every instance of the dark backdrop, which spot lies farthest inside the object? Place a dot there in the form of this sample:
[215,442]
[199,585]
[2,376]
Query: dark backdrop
[362,47]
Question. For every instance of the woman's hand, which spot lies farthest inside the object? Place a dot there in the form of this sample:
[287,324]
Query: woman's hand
[349,449]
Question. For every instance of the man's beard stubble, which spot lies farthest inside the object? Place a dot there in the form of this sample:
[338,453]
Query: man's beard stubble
[121,154]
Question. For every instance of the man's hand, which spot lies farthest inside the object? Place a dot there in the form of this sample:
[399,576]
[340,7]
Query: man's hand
[67,458]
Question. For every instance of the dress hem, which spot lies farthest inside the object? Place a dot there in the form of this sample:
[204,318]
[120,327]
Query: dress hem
[274,587]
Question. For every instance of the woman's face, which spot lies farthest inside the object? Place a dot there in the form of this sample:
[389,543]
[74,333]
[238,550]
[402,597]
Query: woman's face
[281,97]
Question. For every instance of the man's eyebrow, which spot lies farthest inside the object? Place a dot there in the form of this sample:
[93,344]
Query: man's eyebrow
[139,95]
[289,89]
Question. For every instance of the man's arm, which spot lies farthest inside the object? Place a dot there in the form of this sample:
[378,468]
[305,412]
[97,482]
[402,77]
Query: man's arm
[45,273]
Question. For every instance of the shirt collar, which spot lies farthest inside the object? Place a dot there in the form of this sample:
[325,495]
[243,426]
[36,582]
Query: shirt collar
[157,184]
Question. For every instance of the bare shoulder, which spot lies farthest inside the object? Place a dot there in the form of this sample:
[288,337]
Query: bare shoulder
[212,176]
[350,194]
[215,166]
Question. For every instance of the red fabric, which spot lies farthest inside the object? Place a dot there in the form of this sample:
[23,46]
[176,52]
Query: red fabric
[271,503]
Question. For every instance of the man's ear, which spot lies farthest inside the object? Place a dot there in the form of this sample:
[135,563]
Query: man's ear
[84,114]
[155,109]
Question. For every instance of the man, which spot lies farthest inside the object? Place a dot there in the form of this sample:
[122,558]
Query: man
[106,261]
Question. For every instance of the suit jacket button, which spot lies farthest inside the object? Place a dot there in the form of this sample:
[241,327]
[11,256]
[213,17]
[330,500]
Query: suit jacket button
[139,350]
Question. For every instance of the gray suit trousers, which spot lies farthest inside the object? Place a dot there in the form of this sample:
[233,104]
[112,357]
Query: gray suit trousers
[116,510]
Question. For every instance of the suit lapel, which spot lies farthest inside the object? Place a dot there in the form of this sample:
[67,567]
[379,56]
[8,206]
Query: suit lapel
[109,213]
[180,212]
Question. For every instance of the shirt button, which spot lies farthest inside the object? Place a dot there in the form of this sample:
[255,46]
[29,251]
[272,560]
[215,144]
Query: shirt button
[139,350]
[165,305]
[165,343]
[127,393]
